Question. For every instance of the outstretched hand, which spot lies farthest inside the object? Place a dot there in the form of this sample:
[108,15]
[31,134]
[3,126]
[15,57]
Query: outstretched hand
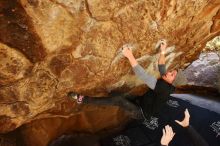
[168,135]
[185,121]
[127,52]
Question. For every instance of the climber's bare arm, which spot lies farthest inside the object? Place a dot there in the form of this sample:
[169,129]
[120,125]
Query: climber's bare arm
[139,71]
[162,53]
[162,61]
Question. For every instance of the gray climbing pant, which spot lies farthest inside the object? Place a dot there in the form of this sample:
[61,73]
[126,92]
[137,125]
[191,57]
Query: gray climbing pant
[132,110]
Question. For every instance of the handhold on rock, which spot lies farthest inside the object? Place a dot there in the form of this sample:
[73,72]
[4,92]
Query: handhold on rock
[120,55]
[157,46]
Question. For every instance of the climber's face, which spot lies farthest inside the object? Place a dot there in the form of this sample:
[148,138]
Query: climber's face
[170,76]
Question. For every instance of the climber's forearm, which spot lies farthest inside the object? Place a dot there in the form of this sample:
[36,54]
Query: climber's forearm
[162,60]
[132,60]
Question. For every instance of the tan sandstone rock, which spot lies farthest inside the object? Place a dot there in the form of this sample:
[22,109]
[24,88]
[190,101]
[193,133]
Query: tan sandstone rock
[51,47]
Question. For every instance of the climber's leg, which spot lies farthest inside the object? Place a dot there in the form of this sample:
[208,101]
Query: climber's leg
[132,110]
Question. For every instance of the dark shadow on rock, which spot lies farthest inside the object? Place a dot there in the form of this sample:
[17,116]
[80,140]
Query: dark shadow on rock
[17,31]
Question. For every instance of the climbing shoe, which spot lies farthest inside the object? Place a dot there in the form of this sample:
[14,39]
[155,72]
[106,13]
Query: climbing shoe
[75,96]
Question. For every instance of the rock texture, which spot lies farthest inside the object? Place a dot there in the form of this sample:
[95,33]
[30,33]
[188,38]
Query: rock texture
[51,47]
[204,72]
[90,121]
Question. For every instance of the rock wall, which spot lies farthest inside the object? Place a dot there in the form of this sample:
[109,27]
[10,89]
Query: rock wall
[204,72]
[41,132]
[51,47]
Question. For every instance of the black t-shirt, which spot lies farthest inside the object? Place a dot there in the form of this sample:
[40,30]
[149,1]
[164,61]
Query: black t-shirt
[153,100]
